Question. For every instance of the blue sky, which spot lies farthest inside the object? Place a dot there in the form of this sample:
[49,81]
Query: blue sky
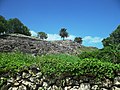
[92,20]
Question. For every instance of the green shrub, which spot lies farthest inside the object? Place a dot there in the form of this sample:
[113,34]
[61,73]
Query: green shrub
[58,64]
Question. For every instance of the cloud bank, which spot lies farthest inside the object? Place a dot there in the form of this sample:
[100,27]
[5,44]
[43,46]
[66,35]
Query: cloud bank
[91,39]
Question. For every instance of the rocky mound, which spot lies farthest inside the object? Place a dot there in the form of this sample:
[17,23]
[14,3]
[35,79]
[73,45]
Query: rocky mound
[35,46]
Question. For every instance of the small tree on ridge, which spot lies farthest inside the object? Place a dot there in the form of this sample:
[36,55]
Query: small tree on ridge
[42,35]
[63,33]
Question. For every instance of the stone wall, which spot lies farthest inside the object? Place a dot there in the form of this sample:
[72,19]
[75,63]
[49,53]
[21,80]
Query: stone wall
[36,46]
[33,79]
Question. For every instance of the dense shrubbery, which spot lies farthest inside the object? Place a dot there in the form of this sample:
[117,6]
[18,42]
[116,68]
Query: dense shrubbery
[113,39]
[57,64]
[108,53]
[111,50]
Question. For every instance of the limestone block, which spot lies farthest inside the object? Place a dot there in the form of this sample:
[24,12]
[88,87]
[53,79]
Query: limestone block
[67,88]
[95,87]
[84,86]
[115,88]
[117,81]
[22,87]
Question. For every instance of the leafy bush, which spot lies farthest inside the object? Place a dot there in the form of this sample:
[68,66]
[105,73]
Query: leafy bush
[57,64]
[12,62]
[92,54]
[114,38]
[109,53]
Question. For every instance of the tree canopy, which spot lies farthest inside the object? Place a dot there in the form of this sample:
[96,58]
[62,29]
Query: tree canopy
[63,33]
[13,26]
[42,35]
[3,25]
[78,40]
[113,39]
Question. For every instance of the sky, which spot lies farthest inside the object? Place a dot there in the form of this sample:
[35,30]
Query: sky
[92,20]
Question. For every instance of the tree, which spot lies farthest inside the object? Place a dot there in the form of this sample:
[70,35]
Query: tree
[16,26]
[63,33]
[78,40]
[26,31]
[113,39]
[3,25]
[42,35]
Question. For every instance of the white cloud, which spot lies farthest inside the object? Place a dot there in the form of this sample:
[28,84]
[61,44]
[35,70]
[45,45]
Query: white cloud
[33,33]
[91,39]
[53,37]
[57,37]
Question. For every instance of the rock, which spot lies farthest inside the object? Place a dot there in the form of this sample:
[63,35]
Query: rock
[16,84]
[75,88]
[54,87]
[39,75]
[32,79]
[26,83]
[11,80]
[104,89]
[107,83]
[115,88]
[84,86]
[41,88]
[67,81]
[45,84]
[25,75]
[95,87]
[22,87]
[117,81]
[18,78]
[67,88]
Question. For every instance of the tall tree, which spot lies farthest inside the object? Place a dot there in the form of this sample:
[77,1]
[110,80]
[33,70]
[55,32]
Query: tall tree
[63,33]
[3,25]
[26,31]
[16,26]
[42,35]
[113,39]
[78,40]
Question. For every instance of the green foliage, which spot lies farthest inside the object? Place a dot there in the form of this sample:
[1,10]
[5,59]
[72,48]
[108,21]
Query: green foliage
[78,40]
[58,65]
[114,38]
[87,49]
[16,26]
[88,54]
[13,26]
[3,25]
[110,53]
[12,62]
[42,35]
[63,33]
